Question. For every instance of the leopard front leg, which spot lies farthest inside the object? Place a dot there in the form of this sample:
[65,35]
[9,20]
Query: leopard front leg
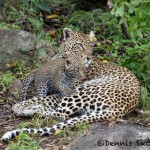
[77,83]
[42,90]
[36,105]
[25,85]
[63,110]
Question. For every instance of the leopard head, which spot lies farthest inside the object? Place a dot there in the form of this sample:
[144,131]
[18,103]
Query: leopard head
[77,43]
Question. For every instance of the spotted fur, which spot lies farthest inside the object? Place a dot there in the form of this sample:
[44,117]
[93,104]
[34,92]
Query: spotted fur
[77,46]
[53,75]
[110,92]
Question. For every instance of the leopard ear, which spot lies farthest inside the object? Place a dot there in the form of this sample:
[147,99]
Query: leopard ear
[81,46]
[67,33]
[91,35]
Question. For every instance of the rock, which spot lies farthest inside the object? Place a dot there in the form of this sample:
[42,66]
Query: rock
[20,45]
[48,49]
[119,137]
[16,45]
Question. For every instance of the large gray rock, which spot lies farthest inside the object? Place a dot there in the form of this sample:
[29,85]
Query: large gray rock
[119,137]
[20,45]
[16,45]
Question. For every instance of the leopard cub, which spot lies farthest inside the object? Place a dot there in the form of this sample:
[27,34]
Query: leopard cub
[53,75]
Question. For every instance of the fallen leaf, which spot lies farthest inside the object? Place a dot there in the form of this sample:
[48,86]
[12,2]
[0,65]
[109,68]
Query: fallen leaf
[17,137]
[53,16]
[99,44]
[105,61]
[57,132]
[52,32]
[13,64]
[107,41]
[94,39]
[148,106]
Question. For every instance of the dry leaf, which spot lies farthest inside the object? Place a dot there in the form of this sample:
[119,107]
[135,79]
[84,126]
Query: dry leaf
[105,61]
[99,44]
[94,39]
[53,16]
[52,32]
[13,64]
[148,106]
[58,131]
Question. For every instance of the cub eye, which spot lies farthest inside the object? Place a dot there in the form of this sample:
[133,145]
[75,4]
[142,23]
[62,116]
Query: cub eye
[76,69]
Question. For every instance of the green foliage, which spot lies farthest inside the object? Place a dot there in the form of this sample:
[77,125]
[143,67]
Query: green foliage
[136,13]
[36,23]
[36,5]
[20,69]
[84,20]
[64,136]
[6,26]
[27,13]
[5,80]
[145,98]
[133,53]
[24,142]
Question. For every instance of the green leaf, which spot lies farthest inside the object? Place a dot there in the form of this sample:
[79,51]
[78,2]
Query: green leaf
[25,2]
[43,6]
[120,11]
[135,2]
[42,52]
[41,35]
[140,14]
[131,9]
[35,22]
[139,33]
[122,20]
[135,25]
[24,49]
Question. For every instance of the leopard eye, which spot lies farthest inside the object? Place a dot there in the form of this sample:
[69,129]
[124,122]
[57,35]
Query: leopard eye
[80,45]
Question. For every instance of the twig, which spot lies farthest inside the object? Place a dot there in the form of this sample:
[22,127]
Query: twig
[124,28]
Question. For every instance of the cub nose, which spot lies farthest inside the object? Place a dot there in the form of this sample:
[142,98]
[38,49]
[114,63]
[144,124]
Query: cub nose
[88,58]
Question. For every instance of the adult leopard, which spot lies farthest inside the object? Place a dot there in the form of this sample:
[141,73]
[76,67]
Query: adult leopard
[110,92]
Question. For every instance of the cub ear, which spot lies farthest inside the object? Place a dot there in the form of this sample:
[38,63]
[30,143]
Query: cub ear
[66,54]
[67,33]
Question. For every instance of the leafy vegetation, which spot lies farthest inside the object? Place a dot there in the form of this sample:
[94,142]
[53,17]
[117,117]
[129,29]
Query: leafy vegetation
[24,142]
[5,80]
[122,36]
